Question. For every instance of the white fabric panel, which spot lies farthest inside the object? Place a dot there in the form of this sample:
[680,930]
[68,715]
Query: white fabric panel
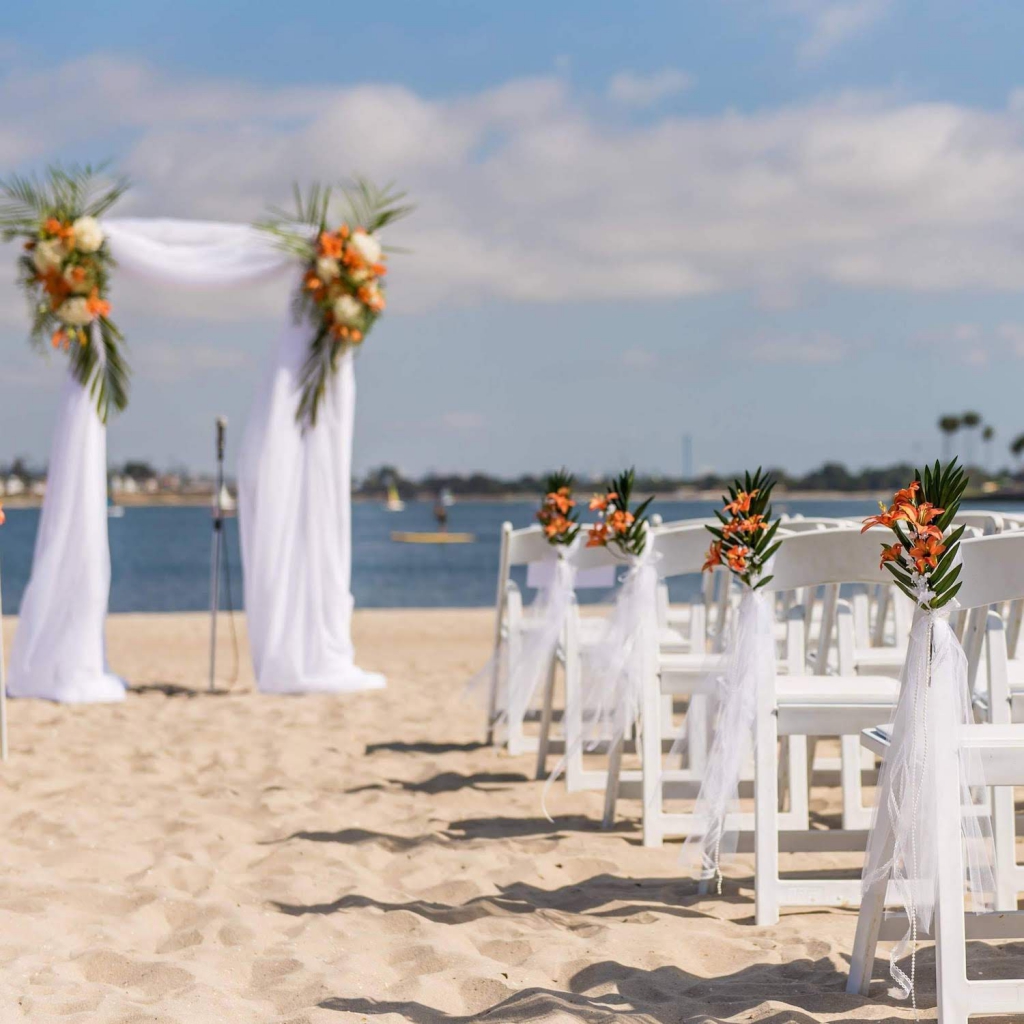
[540,575]
[199,254]
[295,517]
[295,504]
[58,650]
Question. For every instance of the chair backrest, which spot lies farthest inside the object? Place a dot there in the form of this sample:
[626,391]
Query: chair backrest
[829,556]
[529,545]
[681,550]
[984,521]
[993,569]
[803,524]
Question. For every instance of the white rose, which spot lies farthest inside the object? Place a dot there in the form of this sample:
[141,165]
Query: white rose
[347,310]
[88,234]
[359,276]
[327,269]
[48,255]
[74,312]
[367,246]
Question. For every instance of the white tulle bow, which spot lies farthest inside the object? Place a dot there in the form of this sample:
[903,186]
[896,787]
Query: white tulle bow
[934,702]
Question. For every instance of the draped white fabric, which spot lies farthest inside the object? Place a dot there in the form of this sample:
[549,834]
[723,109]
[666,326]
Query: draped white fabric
[295,507]
[747,666]
[935,703]
[58,649]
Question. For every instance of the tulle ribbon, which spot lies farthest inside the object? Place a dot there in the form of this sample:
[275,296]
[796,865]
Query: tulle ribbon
[904,839]
[547,617]
[747,664]
[613,669]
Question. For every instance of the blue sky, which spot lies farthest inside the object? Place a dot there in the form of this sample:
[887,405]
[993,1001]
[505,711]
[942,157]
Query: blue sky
[790,228]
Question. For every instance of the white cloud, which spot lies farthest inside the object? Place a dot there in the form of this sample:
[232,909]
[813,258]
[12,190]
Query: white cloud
[526,194]
[644,90]
[831,23]
[814,349]
[166,362]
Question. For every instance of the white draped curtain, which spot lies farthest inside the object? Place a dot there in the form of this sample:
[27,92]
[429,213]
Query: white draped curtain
[295,503]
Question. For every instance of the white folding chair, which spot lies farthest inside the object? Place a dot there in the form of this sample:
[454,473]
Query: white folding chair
[992,573]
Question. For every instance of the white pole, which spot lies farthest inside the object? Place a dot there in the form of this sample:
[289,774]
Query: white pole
[218,530]
[3,690]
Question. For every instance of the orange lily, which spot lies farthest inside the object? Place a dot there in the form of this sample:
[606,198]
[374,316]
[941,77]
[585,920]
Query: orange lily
[737,557]
[599,502]
[905,496]
[926,552]
[620,521]
[714,556]
[3,518]
[598,537]
[891,554]
[560,499]
[741,503]
[752,524]
[919,516]
[886,517]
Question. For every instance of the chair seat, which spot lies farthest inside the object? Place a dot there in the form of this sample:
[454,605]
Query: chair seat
[856,691]
[880,658]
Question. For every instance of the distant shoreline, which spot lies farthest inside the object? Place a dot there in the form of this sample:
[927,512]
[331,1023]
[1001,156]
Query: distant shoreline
[713,497]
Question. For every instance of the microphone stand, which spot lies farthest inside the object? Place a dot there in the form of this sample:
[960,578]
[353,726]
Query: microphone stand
[218,533]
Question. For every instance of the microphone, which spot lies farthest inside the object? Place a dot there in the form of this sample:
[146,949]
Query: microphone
[222,426]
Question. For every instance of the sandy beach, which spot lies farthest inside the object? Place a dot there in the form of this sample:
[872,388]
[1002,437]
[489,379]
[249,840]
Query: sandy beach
[230,858]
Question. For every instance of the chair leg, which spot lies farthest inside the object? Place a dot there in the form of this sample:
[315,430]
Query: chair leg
[865,942]
[572,722]
[855,814]
[650,761]
[797,775]
[544,741]
[611,789]
[697,734]
[766,818]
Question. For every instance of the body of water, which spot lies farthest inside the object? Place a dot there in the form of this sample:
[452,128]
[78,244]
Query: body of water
[161,556]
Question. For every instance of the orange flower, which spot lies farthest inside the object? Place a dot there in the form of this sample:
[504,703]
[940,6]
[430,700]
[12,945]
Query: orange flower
[737,557]
[65,232]
[3,518]
[741,503]
[752,524]
[560,500]
[598,537]
[886,517]
[905,496]
[96,305]
[926,552]
[557,526]
[379,269]
[919,516]
[59,337]
[714,556]
[891,554]
[331,245]
[598,503]
[620,521]
[55,286]
[343,231]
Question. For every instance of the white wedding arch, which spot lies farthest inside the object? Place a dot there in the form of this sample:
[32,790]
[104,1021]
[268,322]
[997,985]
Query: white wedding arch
[294,500]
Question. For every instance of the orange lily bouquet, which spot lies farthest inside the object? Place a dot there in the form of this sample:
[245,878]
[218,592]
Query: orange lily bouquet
[342,291]
[745,541]
[922,559]
[558,515]
[618,524]
[64,271]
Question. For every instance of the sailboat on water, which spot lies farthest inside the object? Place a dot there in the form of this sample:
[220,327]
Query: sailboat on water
[394,502]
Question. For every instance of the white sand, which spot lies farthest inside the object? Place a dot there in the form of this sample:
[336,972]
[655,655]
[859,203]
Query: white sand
[188,859]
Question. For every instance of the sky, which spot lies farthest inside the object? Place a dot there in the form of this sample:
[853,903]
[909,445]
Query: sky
[792,229]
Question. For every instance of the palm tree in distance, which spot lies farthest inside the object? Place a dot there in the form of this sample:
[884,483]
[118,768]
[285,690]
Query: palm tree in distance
[970,421]
[1017,449]
[987,434]
[949,425]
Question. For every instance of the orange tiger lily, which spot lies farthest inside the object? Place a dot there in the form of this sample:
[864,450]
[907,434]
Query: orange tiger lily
[330,245]
[620,521]
[598,537]
[714,556]
[926,552]
[886,517]
[737,557]
[752,524]
[891,554]
[741,503]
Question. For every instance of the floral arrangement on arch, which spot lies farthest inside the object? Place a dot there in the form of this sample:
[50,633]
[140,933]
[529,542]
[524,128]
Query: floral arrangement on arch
[342,291]
[64,271]
[557,514]
[922,559]
[745,540]
[618,525]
